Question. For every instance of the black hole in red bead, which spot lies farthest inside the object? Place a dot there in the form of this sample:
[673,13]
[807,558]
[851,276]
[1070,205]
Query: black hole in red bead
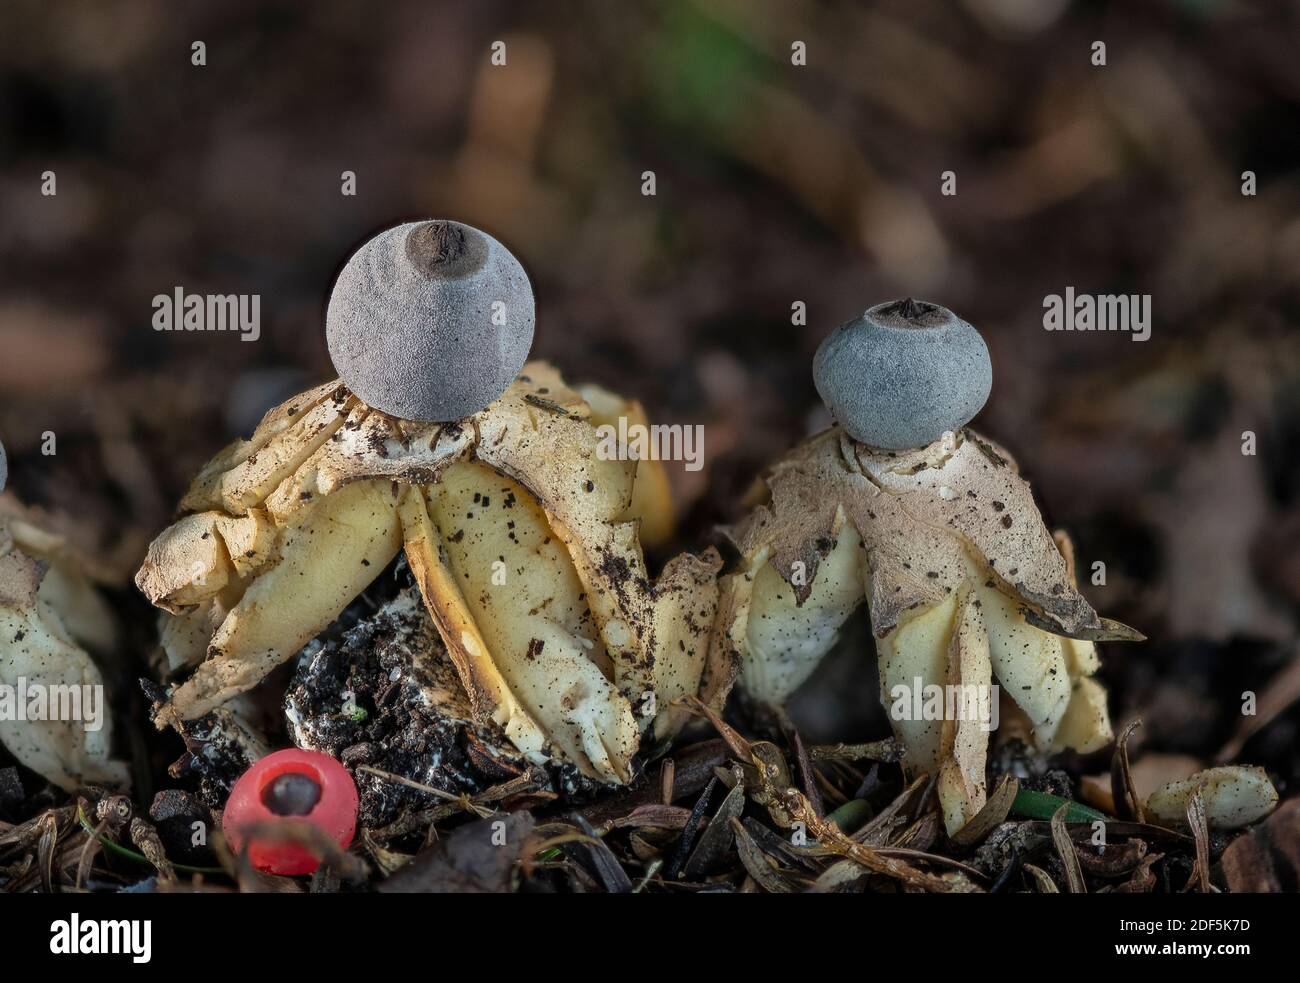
[291,794]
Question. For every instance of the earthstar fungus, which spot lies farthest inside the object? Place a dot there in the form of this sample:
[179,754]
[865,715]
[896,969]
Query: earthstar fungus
[51,618]
[523,540]
[964,583]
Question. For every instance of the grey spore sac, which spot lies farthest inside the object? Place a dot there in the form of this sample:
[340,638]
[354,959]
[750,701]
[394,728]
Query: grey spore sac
[902,373]
[430,321]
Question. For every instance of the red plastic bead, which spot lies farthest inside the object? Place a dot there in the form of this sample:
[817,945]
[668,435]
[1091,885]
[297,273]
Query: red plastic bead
[311,787]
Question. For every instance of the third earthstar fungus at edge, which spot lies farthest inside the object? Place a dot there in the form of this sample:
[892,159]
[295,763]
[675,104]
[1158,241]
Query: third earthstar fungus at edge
[52,617]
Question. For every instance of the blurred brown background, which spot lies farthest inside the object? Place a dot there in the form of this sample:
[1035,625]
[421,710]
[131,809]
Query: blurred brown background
[776,183]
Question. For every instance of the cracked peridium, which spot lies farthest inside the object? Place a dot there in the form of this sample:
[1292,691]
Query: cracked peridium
[965,587]
[524,542]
